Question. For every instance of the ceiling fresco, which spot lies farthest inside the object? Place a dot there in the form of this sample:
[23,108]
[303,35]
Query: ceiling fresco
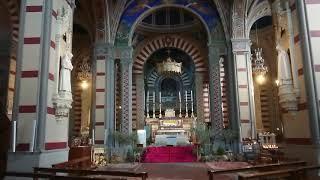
[203,8]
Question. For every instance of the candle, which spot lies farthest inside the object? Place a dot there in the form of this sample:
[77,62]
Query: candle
[179,96]
[93,137]
[160,96]
[14,136]
[105,136]
[34,124]
[191,96]
[147,97]
[154,97]
[186,97]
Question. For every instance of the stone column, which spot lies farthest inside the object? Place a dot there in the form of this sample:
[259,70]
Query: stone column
[199,96]
[215,87]
[243,74]
[38,128]
[109,97]
[126,91]
[99,89]
[140,100]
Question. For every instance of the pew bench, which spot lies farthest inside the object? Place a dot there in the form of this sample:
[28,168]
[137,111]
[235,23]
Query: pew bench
[265,167]
[299,173]
[84,172]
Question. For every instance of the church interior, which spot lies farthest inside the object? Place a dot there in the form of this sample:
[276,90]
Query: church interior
[159,89]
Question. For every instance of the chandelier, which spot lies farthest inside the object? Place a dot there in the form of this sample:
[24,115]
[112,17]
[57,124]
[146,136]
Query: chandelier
[84,75]
[169,67]
[259,69]
[84,72]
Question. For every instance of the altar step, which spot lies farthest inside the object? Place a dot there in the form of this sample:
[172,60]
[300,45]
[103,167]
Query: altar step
[166,154]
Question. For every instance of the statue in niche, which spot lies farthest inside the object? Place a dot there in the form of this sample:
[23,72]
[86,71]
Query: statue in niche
[287,96]
[65,73]
[284,68]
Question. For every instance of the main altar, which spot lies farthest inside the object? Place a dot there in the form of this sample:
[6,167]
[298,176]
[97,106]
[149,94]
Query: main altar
[171,129]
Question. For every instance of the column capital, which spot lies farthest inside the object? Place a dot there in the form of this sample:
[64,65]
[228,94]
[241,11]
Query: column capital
[104,49]
[123,52]
[241,45]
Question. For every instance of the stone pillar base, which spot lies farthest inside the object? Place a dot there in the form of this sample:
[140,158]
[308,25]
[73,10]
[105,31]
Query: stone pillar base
[25,161]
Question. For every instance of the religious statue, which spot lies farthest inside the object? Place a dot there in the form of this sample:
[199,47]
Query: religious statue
[284,69]
[287,96]
[65,73]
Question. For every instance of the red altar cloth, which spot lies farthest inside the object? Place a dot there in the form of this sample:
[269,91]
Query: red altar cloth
[167,154]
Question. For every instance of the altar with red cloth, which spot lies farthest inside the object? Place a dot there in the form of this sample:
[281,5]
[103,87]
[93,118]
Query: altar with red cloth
[166,154]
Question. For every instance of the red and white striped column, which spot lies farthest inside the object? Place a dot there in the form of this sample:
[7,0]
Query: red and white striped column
[241,50]
[100,89]
[37,128]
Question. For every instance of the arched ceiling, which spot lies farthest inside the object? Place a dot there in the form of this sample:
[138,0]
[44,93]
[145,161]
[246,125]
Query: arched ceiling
[5,30]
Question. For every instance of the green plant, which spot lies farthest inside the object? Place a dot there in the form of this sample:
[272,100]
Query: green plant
[228,135]
[125,139]
[220,151]
[202,133]
[130,155]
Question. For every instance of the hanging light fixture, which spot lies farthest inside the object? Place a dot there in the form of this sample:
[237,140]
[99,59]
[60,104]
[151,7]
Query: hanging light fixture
[259,69]
[169,66]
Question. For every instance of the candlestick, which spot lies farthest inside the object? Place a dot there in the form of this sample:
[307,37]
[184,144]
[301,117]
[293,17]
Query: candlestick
[191,96]
[180,115]
[93,137]
[14,139]
[105,136]
[154,105]
[187,115]
[148,116]
[160,115]
[34,124]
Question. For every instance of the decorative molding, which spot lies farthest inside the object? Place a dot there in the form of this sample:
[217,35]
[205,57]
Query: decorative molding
[241,45]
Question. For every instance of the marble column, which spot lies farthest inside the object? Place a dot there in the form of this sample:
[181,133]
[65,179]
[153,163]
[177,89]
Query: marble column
[126,91]
[109,96]
[216,115]
[140,100]
[199,96]
[244,81]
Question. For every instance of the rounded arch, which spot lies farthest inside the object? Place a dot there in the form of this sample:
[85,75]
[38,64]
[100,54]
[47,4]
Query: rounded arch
[149,11]
[258,11]
[13,10]
[169,41]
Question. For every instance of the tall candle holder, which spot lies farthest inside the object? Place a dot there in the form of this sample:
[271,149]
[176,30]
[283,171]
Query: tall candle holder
[160,115]
[148,116]
[187,115]
[180,115]
[154,105]
[192,113]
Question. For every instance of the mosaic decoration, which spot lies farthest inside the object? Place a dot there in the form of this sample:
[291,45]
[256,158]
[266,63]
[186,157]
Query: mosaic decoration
[135,9]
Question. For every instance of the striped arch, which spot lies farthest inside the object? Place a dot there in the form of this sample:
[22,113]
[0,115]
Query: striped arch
[169,41]
[13,9]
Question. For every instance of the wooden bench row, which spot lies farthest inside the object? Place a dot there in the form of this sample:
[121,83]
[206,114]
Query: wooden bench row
[266,167]
[299,173]
[83,172]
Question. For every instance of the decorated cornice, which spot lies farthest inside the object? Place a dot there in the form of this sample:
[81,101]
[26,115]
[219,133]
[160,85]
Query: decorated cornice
[241,45]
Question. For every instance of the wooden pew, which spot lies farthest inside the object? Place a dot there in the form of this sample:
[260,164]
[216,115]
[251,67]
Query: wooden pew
[84,162]
[299,173]
[83,172]
[48,176]
[265,167]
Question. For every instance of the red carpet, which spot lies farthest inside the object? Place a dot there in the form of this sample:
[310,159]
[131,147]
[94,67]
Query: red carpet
[167,154]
